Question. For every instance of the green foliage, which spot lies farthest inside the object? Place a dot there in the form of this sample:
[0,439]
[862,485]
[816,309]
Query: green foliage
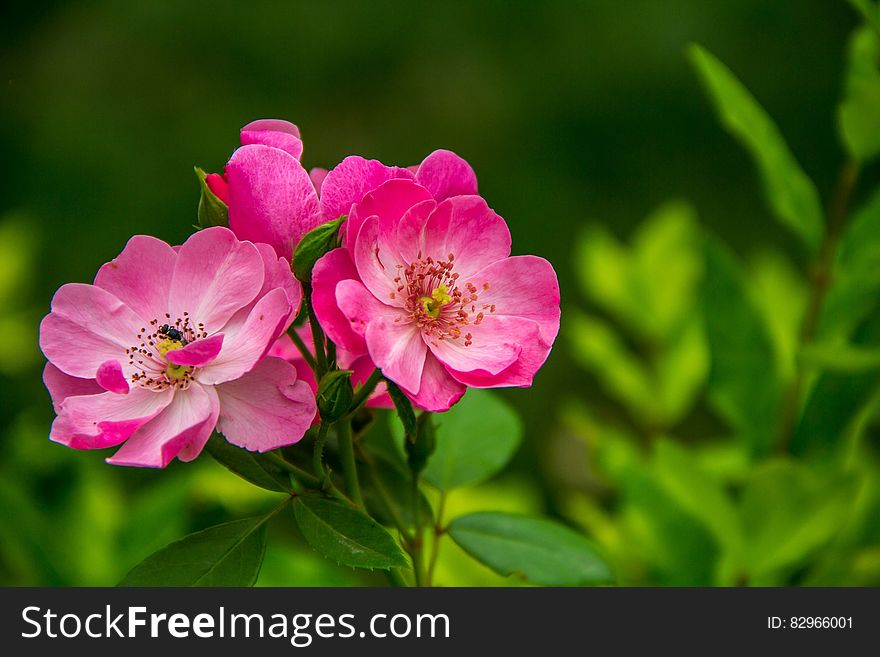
[256,468]
[345,535]
[212,211]
[226,555]
[542,551]
[475,440]
[859,113]
[743,385]
[791,194]
[313,245]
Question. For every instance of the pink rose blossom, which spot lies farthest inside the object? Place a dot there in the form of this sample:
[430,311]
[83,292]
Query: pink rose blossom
[170,343]
[270,196]
[426,286]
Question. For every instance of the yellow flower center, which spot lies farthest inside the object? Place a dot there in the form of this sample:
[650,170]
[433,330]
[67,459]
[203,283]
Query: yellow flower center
[433,304]
[172,371]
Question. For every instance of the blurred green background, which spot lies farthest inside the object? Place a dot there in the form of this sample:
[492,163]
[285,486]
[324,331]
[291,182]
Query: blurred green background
[581,119]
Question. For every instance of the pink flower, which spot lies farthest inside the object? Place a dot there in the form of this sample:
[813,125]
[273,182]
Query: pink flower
[360,364]
[170,343]
[270,196]
[426,286]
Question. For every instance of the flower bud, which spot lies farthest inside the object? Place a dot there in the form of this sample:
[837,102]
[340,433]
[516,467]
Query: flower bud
[313,245]
[334,395]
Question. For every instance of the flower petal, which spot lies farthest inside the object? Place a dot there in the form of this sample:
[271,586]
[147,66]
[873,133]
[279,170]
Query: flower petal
[360,307]
[519,374]
[378,265]
[445,174]
[139,276]
[61,386]
[317,175]
[215,276]
[350,180]
[285,349]
[398,350]
[86,327]
[467,228]
[198,353]
[439,390]
[273,132]
[111,378]
[106,419]
[389,201]
[181,429]
[271,198]
[267,408]
[245,345]
[495,343]
[278,274]
[329,270]
[521,286]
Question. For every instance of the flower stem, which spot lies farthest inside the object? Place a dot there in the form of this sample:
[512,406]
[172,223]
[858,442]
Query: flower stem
[318,454]
[395,578]
[364,392]
[301,475]
[317,333]
[302,348]
[439,530]
[820,282]
[349,468]
[417,544]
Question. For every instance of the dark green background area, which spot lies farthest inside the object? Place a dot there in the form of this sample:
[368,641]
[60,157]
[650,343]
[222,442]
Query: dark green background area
[570,113]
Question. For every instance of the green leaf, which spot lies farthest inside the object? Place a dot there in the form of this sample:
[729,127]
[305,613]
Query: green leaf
[475,439]
[346,535]
[542,551]
[250,466]
[788,513]
[859,114]
[856,276]
[622,375]
[841,357]
[313,245]
[790,192]
[698,494]
[838,398]
[226,555]
[404,408]
[212,211]
[743,384]
[869,11]
[384,483]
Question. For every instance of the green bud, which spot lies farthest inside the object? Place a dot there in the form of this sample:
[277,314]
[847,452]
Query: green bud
[420,445]
[313,245]
[334,395]
[212,211]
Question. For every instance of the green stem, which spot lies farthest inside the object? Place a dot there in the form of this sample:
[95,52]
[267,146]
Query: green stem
[318,454]
[416,546]
[364,392]
[349,468]
[302,348]
[820,282]
[317,333]
[439,530]
[299,473]
[395,578]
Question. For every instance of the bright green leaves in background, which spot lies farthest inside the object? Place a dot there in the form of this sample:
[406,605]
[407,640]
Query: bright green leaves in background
[656,367]
[754,464]
[475,440]
[791,194]
[543,552]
